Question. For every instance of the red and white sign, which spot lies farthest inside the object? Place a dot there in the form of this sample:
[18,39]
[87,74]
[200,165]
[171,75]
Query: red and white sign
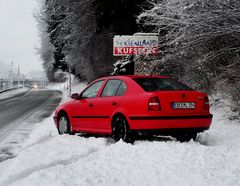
[135,45]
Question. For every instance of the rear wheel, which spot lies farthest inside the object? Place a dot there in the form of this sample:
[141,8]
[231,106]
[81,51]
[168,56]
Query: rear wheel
[120,130]
[64,126]
[186,137]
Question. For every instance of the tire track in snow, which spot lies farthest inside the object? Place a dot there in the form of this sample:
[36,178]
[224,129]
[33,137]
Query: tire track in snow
[28,172]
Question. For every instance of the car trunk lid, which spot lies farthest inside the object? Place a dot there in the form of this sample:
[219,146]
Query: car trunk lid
[182,102]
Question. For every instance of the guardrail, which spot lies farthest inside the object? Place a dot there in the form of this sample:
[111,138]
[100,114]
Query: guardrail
[9,89]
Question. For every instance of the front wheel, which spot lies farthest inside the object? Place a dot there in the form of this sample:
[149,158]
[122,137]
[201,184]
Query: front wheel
[64,126]
[120,130]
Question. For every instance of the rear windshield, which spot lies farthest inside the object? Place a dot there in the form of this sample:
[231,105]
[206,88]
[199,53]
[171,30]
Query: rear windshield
[158,84]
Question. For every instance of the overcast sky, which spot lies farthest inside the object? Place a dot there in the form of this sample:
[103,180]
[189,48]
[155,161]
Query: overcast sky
[19,35]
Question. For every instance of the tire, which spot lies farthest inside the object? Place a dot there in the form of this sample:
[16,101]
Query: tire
[120,130]
[186,137]
[64,126]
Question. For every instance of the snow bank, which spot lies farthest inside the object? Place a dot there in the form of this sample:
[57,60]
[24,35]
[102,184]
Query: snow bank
[49,159]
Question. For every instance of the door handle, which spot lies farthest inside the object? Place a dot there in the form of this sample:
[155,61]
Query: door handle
[114,103]
[90,105]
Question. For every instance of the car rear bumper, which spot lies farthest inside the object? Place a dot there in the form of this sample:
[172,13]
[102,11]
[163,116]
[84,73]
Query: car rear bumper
[170,122]
[170,132]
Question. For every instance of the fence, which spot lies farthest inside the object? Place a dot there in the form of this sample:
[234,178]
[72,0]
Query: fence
[10,89]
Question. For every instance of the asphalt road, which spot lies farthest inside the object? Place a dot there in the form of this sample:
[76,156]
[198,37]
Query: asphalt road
[20,114]
[20,107]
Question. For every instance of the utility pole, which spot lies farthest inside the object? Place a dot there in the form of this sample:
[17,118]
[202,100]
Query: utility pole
[11,75]
[1,85]
[18,76]
[23,80]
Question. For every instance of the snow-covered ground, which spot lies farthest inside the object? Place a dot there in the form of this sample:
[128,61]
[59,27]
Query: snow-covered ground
[49,159]
[12,93]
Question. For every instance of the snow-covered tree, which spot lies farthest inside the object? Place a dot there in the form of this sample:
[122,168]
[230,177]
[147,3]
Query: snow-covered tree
[81,34]
[200,41]
[71,30]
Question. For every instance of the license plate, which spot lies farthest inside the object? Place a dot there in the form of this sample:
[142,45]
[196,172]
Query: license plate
[183,105]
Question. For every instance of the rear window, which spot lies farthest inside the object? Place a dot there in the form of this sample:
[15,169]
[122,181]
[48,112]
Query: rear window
[160,84]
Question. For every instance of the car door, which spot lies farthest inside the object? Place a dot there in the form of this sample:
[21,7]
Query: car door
[109,100]
[83,110]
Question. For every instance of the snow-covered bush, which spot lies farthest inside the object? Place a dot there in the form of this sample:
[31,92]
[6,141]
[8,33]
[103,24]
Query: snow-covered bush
[124,66]
[61,76]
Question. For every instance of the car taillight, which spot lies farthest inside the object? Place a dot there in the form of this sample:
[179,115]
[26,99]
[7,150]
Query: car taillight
[206,103]
[154,104]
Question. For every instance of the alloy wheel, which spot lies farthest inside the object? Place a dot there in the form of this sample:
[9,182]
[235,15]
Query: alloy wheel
[63,125]
[120,130]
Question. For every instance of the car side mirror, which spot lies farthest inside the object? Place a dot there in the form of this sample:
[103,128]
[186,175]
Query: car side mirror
[75,96]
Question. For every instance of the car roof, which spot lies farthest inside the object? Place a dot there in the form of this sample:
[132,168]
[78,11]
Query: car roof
[132,77]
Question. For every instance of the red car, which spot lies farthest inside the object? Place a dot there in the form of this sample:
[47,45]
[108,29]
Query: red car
[125,106]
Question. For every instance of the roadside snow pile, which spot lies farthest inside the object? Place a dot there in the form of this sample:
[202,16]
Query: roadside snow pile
[13,93]
[227,129]
[49,159]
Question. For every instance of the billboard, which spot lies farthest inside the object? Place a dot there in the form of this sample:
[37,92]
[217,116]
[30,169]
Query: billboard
[135,45]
